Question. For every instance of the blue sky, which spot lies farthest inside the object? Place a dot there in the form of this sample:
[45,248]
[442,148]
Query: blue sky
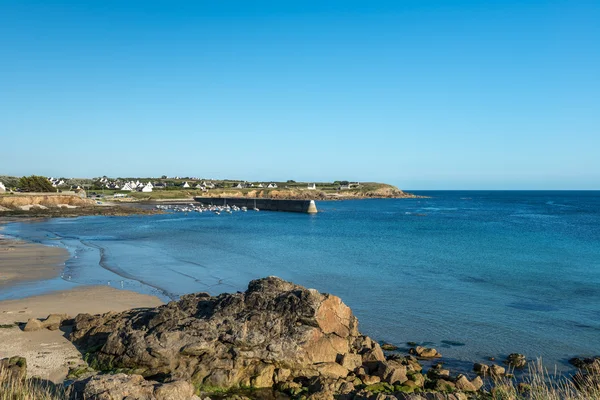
[421,94]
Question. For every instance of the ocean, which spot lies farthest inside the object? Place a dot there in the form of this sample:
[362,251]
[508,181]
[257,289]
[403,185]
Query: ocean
[475,274]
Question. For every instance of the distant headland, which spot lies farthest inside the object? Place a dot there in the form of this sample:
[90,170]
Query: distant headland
[50,196]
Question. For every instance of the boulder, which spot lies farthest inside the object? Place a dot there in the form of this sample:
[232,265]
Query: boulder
[122,386]
[233,340]
[392,372]
[53,323]
[442,385]
[496,370]
[425,352]
[477,382]
[463,384]
[493,369]
[351,361]
[481,369]
[33,324]
[516,360]
[370,379]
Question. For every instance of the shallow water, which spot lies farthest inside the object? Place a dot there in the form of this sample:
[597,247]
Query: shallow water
[475,274]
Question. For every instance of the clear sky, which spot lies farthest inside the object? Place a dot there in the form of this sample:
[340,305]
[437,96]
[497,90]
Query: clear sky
[422,94]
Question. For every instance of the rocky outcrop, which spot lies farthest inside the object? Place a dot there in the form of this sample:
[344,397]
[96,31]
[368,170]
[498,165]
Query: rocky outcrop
[274,332]
[274,335]
[122,386]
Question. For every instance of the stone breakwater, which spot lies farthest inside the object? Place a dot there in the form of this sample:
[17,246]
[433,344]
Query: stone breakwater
[276,340]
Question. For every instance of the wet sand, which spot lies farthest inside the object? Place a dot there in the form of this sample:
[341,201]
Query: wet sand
[22,262]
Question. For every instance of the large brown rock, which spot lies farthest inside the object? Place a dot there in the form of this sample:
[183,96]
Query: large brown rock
[122,386]
[275,331]
[392,372]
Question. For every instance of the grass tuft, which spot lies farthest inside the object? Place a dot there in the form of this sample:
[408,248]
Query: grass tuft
[540,384]
[15,388]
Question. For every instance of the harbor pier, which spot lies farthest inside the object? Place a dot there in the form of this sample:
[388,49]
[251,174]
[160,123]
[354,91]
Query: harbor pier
[301,206]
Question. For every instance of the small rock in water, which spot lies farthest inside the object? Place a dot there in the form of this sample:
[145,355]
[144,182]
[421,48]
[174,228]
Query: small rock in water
[587,363]
[516,360]
[388,347]
[425,352]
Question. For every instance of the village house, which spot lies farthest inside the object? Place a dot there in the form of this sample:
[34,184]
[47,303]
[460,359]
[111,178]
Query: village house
[208,185]
[239,186]
[185,185]
[160,185]
[2,188]
[272,186]
[147,188]
[312,186]
[260,185]
[127,187]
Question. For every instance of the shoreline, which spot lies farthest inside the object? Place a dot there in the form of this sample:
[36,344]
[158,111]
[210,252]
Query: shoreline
[50,353]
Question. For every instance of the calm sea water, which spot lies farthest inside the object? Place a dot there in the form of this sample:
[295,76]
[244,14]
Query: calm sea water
[474,274]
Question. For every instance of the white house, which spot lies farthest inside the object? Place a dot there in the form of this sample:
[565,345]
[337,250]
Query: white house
[160,185]
[2,188]
[312,186]
[239,186]
[185,185]
[149,184]
[272,186]
[208,185]
[147,188]
[127,187]
[260,185]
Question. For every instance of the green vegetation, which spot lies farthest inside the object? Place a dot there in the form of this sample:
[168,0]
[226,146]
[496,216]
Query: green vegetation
[14,388]
[35,183]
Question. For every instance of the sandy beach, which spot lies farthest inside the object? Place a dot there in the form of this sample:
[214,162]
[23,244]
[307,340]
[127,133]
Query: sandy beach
[49,354]
[21,261]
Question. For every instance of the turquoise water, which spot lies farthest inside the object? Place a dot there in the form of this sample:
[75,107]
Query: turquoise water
[475,274]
